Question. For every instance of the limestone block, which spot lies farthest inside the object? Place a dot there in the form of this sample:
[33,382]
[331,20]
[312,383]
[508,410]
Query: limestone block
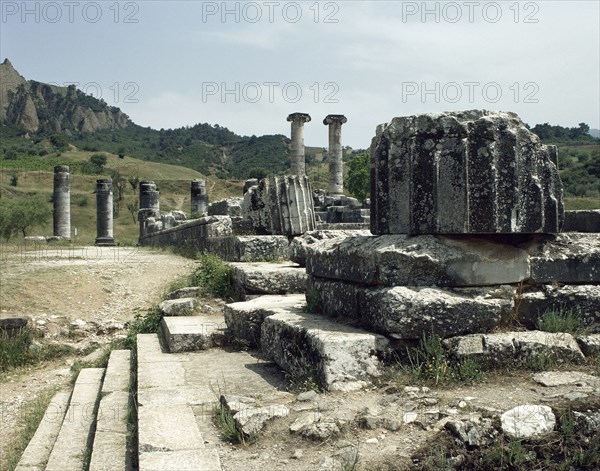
[408,312]
[400,260]
[582,301]
[310,347]
[281,205]
[566,258]
[469,172]
[302,245]
[582,221]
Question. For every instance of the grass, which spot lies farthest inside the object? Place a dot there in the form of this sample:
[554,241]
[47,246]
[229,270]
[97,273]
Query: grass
[213,276]
[574,204]
[30,416]
[228,428]
[19,350]
[147,323]
[558,320]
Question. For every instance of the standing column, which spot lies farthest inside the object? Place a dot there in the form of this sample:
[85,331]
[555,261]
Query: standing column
[336,166]
[62,202]
[149,204]
[104,212]
[297,147]
[199,197]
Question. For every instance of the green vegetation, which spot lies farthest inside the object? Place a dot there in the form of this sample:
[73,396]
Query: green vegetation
[226,424]
[212,276]
[18,215]
[358,179]
[429,364]
[30,416]
[147,323]
[20,349]
[558,320]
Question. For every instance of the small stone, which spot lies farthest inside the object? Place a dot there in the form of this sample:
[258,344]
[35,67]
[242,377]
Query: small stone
[308,396]
[371,441]
[409,417]
[297,455]
[304,421]
[528,421]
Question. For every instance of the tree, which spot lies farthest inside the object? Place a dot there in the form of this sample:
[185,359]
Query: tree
[99,161]
[20,214]
[257,172]
[133,208]
[359,176]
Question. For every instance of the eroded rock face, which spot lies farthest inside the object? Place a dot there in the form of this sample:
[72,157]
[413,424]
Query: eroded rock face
[471,172]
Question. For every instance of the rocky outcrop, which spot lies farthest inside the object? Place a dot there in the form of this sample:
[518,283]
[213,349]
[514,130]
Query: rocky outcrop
[471,172]
[36,106]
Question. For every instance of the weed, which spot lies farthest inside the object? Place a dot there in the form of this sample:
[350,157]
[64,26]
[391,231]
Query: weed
[557,320]
[467,371]
[212,276]
[143,324]
[428,361]
[19,349]
[227,426]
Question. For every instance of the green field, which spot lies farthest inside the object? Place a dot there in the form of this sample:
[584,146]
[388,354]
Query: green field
[35,176]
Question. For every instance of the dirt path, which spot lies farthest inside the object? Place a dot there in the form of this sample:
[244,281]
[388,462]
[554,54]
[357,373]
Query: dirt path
[82,297]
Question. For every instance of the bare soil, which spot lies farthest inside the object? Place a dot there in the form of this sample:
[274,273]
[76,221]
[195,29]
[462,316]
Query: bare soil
[82,297]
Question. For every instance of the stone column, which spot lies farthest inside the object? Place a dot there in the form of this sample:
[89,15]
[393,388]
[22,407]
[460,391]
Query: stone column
[199,197]
[149,204]
[104,212]
[336,166]
[62,202]
[297,147]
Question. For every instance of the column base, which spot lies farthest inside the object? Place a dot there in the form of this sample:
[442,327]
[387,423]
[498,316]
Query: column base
[105,241]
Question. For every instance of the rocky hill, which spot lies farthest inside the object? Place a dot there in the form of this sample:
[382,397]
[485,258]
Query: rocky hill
[35,106]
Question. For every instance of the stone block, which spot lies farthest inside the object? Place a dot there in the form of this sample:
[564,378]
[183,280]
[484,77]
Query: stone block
[302,245]
[226,207]
[178,307]
[582,301]
[566,258]
[310,347]
[188,334]
[249,248]
[400,260]
[508,347]
[280,206]
[469,172]
[582,221]
[267,278]
[409,312]
[244,319]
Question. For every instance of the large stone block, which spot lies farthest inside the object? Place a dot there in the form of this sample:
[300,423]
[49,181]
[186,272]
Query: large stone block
[471,172]
[302,245]
[226,207]
[566,258]
[281,205]
[400,260]
[310,347]
[582,301]
[507,347]
[582,221]
[249,248]
[267,278]
[408,312]
[193,233]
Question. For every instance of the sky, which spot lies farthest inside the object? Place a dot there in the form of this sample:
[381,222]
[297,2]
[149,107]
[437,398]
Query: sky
[247,65]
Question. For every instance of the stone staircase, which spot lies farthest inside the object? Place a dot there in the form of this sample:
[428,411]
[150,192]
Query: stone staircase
[88,425]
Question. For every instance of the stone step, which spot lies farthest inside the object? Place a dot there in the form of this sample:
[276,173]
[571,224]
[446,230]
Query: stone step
[259,278]
[307,346]
[36,455]
[244,319]
[76,432]
[110,440]
[168,436]
[187,334]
